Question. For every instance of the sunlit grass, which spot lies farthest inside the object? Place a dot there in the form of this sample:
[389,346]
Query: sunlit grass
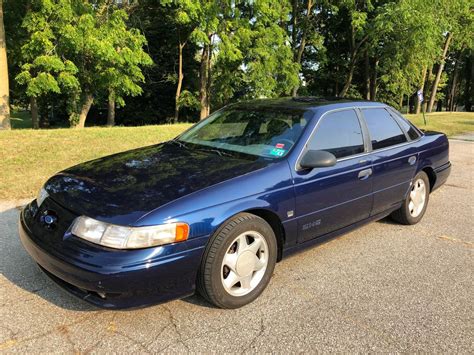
[450,123]
[28,157]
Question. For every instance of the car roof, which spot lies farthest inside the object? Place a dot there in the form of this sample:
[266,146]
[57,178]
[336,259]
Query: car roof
[305,103]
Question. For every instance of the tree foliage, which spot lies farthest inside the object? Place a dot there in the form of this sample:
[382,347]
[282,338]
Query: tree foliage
[185,57]
[81,50]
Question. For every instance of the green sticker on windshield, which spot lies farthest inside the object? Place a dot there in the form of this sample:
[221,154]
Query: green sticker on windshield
[278,152]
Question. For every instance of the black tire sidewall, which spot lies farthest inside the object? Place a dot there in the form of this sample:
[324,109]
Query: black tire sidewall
[254,223]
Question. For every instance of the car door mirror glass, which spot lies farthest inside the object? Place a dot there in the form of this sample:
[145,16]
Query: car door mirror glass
[317,159]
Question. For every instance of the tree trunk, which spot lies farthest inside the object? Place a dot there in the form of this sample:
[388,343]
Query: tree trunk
[373,80]
[400,102]
[429,75]
[452,91]
[204,79]
[180,80]
[294,23]
[209,79]
[348,82]
[34,112]
[422,88]
[354,54]
[86,106]
[366,75]
[469,87]
[111,109]
[4,87]
[434,88]
[301,47]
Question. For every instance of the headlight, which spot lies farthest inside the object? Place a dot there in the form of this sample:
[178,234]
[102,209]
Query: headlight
[121,237]
[42,194]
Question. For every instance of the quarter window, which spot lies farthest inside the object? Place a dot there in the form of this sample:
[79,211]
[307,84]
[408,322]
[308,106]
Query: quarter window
[339,133]
[407,127]
[383,129]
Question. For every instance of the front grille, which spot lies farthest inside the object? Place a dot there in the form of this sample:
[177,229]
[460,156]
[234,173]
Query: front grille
[48,234]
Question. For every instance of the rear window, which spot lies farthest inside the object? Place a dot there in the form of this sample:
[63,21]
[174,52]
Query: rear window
[384,131]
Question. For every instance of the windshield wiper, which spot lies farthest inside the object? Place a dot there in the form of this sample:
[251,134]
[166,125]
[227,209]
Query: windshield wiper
[221,152]
[202,148]
[214,150]
[180,143]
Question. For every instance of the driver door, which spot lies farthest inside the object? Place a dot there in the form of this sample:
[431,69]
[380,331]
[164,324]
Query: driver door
[331,198]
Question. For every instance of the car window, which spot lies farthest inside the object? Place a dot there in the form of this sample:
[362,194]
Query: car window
[268,133]
[384,131]
[339,133]
[406,125]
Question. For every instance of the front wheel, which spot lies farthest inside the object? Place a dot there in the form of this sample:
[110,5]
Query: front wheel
[238,262]
[415,204]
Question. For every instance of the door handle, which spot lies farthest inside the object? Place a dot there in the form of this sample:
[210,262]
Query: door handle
[412,160]
[364,174]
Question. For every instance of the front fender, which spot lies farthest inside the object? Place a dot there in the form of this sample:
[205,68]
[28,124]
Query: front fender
[269,189]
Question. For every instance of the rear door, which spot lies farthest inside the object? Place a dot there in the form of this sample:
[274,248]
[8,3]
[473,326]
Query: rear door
[331,198]
[393,158]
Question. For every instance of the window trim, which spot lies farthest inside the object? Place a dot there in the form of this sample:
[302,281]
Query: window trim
[363,129]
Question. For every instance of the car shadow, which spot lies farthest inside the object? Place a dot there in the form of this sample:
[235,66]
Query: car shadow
[388,220]
[20,269]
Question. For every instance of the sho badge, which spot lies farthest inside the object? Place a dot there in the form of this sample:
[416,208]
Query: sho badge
[311,224]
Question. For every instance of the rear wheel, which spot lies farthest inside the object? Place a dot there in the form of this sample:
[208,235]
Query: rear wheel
[415,204]
[238,262]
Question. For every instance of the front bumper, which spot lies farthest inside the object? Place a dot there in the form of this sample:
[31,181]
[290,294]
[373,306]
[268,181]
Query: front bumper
[136,278]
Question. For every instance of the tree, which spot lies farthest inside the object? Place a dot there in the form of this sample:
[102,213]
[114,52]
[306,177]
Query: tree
[122,57]
[358,14]
[252,58]
[82,51]
[456,23]
[183,15]
[270,68]
[4,87]
[434,88]
[403,45]
[303,30]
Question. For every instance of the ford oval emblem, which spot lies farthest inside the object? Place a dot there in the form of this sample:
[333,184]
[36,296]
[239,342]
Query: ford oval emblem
[49,219]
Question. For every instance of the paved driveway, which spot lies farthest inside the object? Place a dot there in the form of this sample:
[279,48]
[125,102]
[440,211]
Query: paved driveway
[384,287]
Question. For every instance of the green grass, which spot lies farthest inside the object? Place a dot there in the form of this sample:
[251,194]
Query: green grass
[450,123]
[28,157]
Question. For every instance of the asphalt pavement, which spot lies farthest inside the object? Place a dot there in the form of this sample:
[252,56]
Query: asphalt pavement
[384,287]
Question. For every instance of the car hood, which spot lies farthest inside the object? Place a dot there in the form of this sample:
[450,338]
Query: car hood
[123,187]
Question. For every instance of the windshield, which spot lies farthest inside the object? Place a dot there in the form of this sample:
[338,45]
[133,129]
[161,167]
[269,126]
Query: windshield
[259,132]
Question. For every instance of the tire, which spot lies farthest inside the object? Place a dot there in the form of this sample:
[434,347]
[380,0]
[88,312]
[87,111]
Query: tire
[408,214]
[238,262]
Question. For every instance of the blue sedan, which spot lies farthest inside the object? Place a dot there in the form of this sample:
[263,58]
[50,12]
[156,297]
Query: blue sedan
[214,209]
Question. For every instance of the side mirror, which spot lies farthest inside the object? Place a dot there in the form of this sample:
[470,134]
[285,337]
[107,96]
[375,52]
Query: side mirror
[317,159]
